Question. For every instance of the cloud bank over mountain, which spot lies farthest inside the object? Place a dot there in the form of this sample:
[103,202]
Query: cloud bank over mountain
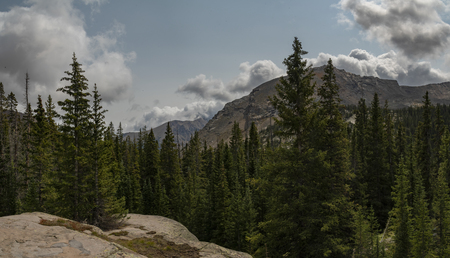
[212,94]
[415,31]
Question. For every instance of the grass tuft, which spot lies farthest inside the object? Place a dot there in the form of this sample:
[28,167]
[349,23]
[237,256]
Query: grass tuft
[120,233]
[66,223]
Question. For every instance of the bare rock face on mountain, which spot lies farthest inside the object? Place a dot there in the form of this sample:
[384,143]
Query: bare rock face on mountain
[25,236]
[255,107]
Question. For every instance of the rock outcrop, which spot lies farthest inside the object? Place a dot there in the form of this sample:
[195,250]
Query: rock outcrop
[255,107]
[24,236]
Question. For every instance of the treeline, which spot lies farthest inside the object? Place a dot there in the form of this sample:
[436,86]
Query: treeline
[316,186]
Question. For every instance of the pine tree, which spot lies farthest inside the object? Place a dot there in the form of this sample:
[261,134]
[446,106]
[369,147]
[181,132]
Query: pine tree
[424,146]
[171,174]
[51,179]
[111,208]
[441,201]
[389,143]
[27,131]
[5,175]
[222,217]
[237,149]
[360,153]
[148,174]
[401,213]
[98,130]
[421,238]
[41,157]
[334,176]
[253,152]
[292,222]
[12,166]
[366,230]
[76,128]
[294,98]
[378,181]
[152,160]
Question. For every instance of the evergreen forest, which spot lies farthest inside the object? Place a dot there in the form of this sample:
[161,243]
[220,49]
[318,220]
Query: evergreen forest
[312,185]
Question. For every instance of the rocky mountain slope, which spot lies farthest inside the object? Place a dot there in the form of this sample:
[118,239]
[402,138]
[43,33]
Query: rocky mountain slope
[181,129]
[43,235]
[255,107]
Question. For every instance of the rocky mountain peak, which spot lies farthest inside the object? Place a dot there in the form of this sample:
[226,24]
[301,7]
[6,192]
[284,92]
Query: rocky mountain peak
[255,107]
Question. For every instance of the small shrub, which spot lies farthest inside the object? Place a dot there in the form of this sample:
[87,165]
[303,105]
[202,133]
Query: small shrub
[65,223]
[120,233]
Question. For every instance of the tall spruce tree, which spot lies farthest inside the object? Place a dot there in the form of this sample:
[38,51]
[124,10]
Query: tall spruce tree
[41,157]
[401,214]
[76,127]
[5,176]
[334,177]
[293,225]
[422,237]
[378,180]
[149,174]
[423,145]
[359,153]
[171,174]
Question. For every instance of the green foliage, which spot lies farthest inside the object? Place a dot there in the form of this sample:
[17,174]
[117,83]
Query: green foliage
[318,189]
[441,202]
[401,214]
[421,238]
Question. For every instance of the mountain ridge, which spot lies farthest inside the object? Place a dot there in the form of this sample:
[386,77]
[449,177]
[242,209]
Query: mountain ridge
[182,130]
[255,107]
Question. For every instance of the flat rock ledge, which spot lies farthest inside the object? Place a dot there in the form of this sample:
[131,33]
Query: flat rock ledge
[23,236]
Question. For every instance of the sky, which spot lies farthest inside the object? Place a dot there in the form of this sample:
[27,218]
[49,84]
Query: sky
[156,61]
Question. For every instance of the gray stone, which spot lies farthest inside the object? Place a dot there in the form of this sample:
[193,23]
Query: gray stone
[23,236]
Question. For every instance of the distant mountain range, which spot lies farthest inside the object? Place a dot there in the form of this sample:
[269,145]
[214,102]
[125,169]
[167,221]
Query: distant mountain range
[182,130]
[255,107]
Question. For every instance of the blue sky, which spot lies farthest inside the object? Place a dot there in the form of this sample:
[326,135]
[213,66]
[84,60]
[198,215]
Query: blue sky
[156,61]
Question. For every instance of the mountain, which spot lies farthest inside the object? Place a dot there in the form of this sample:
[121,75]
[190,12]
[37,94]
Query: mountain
[181,129]
[255,107]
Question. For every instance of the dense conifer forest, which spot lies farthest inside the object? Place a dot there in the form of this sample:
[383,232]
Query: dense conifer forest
[313,185]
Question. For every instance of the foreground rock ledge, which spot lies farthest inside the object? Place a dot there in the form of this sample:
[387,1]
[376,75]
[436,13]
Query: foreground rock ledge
[23,236]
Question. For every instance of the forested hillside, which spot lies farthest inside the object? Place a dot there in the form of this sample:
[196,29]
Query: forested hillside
[316,186]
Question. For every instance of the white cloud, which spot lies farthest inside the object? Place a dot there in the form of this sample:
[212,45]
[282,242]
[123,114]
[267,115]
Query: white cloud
[212,93]
[414,27]
[41,38]
[192,111]
[386,66]
[251,75]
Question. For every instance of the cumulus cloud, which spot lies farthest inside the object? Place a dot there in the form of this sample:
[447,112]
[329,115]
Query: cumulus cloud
[251,75]
[205,88]
[414,27]
[212,93]
[192,111]
[389,65]
[41,38]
